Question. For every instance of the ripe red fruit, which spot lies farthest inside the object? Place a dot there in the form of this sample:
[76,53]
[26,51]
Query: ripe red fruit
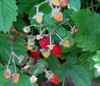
[54,79]
[36,54]
[56,50]
[63,3]
[44,42]
[7,73]
[15,78]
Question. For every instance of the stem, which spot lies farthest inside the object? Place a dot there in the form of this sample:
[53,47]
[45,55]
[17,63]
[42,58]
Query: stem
[92,4]
[50,22]
[39,67]
[15,55]
[43,30]
[70,25]
[59,25]
[40,28]
[58,36]
[14,65]
[51,5]
[9,61]
[11,41]
[41,3]
[33,39]
[50,38]
[34,25]
[63,82]
[37,9]
[67,78]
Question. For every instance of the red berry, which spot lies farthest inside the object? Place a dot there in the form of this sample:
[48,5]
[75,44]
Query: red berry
[56,50]
[36,54]
[75,30]
[7,73]
[63,3]
[15,78]
[44,42]
[54,79]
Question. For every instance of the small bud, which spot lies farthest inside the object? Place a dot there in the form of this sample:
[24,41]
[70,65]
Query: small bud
[26,67]
[21,58]
[50,46]
[45,53]
[63,3]
[7,73]
[29,47]
[55,2]
[15,78]
[74,30]
[57,14]
[38,17]
[66,43]
[39,37]
[33,79]
[26,29]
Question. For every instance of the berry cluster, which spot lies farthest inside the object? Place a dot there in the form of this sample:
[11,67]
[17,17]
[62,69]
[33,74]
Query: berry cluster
[15,77]
[45,41]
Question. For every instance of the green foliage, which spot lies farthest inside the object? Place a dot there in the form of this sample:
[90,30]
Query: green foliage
[20,23]
[80,76]
[71,58]
[62,72]
[38,67]
[5,49]
[88,33]
[25,6]
[75,4]
[7,14]
[53,62]
[74,59]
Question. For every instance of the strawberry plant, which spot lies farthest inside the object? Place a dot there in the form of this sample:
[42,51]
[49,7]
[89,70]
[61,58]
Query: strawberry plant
[53,42]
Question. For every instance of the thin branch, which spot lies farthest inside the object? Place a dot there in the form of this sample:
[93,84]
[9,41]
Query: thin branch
[58,36]
[14,65]
[51,4]
[11,41]
[39,67]
[9,61]
[58,26]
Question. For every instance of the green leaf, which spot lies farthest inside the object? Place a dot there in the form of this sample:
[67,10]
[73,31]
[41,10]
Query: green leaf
[8,14]
[80,76]
[53,62]
[62,72]
[5,49]
[19,24]
[71,58]
[25,5]
[88,35]
[38,67]
[61,31]
[75,4]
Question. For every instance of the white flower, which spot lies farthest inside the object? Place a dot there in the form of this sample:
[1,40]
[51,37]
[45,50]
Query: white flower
[97,66]
[26,29]
[26,67]
[33,79]
[55,11]
[40,14]
[21,58]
